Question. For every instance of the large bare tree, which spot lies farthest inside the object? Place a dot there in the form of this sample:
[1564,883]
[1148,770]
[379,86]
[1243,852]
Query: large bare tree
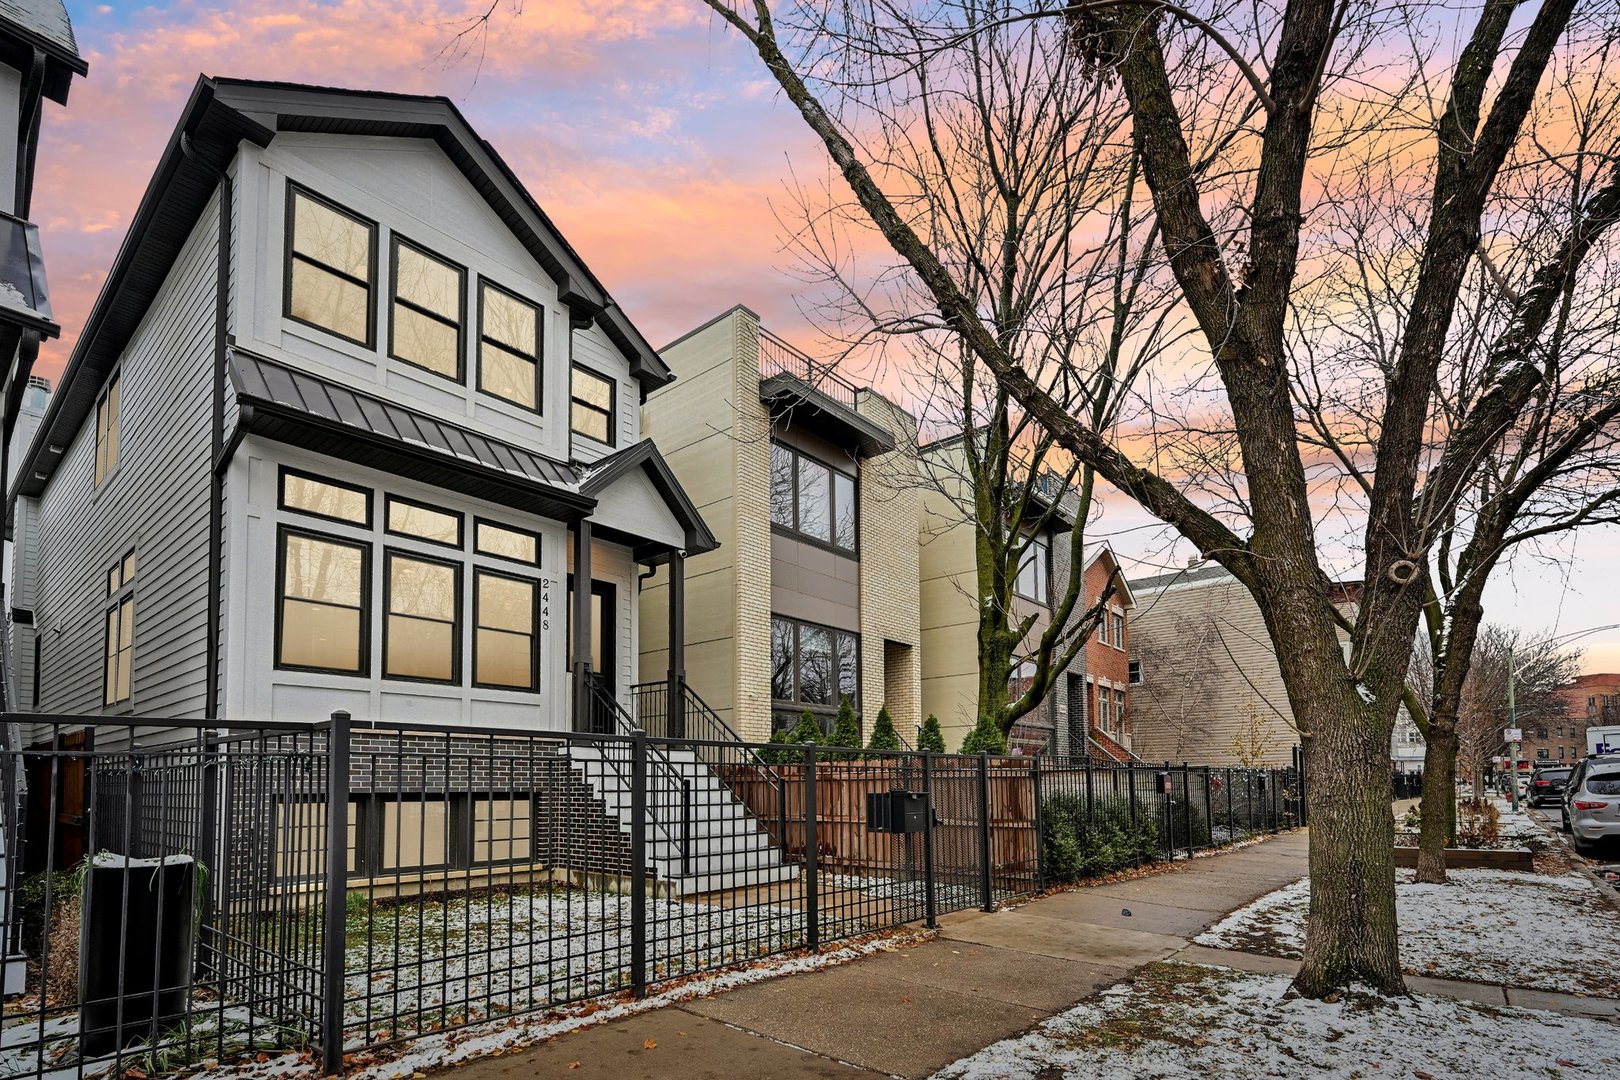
[1240,118]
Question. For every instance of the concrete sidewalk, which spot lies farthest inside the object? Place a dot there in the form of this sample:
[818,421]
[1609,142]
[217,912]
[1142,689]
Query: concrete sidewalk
[910,1012]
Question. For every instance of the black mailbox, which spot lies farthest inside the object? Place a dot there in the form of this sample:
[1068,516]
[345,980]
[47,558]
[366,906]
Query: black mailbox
[896,811]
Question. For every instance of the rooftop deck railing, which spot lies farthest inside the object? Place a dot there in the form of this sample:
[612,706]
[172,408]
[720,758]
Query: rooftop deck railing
[777,357]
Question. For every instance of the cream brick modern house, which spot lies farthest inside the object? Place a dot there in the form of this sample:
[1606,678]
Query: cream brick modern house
[1085,710]
[809,484]
[1210,687]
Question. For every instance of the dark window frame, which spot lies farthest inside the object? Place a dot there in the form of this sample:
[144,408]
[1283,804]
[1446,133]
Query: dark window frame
[612,412]
[282,505]
[460,544]
[294,189]
[793,530]
[394,242]
[534,632]
[797,702]
[539,357]
[1044,545]
[539,546]
[457,645]
[364,651]
[1133,670]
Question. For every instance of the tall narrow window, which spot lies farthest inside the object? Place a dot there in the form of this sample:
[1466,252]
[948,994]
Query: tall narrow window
[592,396]
[120,641]
[508,346]
[782,486]
[504,653]
[1034,573]
[323,604]
[331,266]
[425,327]
[107,429]
[815,499]
[422,639]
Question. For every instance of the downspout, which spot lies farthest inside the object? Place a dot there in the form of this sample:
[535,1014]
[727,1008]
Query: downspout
[216,456]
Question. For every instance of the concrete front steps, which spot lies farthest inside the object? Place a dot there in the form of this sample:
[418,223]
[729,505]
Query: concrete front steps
[700,837]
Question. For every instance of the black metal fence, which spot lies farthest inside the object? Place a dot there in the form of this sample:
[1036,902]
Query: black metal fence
[182,894]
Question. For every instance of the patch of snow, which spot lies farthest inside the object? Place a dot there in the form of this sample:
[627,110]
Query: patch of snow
[1184,1022]
[1473,929]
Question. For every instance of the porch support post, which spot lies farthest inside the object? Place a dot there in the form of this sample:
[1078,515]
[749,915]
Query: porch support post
[676,694]
[582,625]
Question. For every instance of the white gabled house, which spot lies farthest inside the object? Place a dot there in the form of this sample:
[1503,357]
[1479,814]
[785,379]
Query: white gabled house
[346,418]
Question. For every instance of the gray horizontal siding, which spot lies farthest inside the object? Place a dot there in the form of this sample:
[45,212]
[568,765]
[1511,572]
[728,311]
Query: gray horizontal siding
[156,503]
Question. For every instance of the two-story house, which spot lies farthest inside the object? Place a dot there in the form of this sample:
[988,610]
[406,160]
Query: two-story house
[1084,711]
[810,483]
[350,426]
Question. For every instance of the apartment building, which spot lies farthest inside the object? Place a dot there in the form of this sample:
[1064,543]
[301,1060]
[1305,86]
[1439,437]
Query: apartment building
[1589,701]
[1208,685]
[810,485]
[1086,710]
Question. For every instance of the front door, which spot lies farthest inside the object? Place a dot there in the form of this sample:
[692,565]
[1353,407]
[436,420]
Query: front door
[604,653]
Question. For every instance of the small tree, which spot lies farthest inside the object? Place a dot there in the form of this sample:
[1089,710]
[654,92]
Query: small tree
[985,738]
[779,737]
[930,737]
[846,732]
[884,737]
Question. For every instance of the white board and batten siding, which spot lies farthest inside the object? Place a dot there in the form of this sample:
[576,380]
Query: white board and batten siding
[155,503]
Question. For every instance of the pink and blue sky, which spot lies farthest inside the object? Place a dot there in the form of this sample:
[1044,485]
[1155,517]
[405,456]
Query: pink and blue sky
[648,132]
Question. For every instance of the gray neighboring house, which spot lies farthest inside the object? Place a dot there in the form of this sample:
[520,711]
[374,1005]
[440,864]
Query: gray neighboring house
[350,426]
[38,60]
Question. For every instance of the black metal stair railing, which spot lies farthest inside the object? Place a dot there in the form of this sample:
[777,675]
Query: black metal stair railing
[669,793]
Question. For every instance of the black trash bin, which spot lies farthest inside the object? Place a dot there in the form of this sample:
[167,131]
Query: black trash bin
[136,945]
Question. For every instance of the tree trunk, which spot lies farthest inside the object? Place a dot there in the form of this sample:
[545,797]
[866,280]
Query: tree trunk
[1438,808]
[1351,931]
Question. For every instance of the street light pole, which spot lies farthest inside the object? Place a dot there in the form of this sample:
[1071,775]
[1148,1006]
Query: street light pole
[1513,725]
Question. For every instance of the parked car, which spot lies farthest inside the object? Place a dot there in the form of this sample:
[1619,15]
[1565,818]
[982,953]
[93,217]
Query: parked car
[1592,802]
[1547,786]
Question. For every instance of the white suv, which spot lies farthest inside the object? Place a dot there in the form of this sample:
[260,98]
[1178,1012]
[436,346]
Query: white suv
[1592,802]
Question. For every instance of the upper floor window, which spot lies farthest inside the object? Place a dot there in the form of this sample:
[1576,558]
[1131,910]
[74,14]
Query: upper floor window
[120,641]
[107,429]
[812,499]
[1134,668]
[1035,571]
[508,346]
[813,665]
[428,310]
[592,396]
[331,266]
[1020,679]
[1117,618]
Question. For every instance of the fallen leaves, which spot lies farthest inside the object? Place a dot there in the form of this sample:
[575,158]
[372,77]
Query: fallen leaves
[649,1044]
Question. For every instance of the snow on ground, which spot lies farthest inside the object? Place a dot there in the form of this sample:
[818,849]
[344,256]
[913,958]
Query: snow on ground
[1177,1021]
[1474,929]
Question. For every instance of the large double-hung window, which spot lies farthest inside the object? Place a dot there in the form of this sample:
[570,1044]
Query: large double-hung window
[812,499]
[331,267]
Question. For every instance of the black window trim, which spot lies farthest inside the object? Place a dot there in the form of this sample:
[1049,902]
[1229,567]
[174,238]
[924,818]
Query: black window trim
[539,546]
[534,632]
[855,491]
[457,626]
[612,409]
[282,532]
[294,189]
[796,702]
[1043,544]
[281,496]
[395,239]
[389,499]
[539,357]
